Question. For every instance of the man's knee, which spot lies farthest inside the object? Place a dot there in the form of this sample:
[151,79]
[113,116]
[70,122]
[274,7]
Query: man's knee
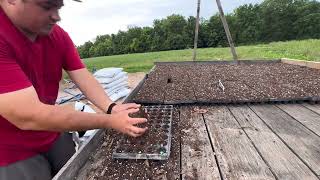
[44,166]
[61,152]
[34,168]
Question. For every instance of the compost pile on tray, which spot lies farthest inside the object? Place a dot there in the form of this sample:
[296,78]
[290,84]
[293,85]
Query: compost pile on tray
[174,83]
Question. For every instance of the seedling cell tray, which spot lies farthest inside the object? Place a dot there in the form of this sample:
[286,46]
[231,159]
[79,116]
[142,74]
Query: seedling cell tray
[155,144]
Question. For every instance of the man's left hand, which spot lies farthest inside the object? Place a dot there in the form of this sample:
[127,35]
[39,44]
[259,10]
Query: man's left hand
[123,107]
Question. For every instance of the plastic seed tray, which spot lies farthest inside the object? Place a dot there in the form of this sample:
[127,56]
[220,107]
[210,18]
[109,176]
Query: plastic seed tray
[155,144]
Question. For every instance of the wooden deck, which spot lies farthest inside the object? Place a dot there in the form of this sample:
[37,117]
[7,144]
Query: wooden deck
[252,142]
[246,142]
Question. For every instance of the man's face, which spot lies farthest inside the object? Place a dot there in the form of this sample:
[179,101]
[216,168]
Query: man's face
[37,16]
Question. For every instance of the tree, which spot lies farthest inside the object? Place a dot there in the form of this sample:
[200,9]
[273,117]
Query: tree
[248,24]
[307,25]
[84,50]
[217,36]
[272,20]
[174,26]
[159,36]
[134,36]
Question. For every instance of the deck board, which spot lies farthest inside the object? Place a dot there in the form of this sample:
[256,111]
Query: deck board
[247,142]
[314,108]
[304,115]
[237,157]
[283,163]
[198,160]
[304,143]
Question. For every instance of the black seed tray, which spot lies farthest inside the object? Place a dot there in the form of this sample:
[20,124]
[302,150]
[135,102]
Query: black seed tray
[265,101]
[234,102]
[125,150]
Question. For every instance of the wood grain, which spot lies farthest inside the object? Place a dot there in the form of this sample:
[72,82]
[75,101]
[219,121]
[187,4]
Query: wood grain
[237,157]
[198,160]
[304,143]
[281,160]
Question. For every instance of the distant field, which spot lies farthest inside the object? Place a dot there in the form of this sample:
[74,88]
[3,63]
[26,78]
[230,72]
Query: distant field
[143,62]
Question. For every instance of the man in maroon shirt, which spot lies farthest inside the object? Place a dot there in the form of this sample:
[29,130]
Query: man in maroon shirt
[33,52]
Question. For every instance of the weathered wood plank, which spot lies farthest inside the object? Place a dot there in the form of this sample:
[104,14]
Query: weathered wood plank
[315,108]
[282,162]
[71,168]
[310,64]
[301,141]
[198,160]
[237,157]
[304,115]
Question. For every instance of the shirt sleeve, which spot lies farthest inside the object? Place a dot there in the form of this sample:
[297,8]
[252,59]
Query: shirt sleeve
[71,59]
[12,77]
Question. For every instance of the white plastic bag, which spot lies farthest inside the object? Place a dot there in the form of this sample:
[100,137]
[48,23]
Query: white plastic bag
[116,90]
[115,83]
[107,80]
[113,88]
[107,72]
[119,94]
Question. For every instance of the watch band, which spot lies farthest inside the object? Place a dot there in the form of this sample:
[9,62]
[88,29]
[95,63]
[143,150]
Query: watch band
[110,108]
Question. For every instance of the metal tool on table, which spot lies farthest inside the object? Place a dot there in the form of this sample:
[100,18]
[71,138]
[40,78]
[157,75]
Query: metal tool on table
[221,86]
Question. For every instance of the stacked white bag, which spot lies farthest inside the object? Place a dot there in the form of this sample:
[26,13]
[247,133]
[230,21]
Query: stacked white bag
[114,81]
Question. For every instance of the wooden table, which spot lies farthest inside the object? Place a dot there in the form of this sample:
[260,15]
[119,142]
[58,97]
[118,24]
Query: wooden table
[248,142]
[253,142]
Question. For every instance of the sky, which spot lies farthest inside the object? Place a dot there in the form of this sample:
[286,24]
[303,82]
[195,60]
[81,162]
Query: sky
[84,21]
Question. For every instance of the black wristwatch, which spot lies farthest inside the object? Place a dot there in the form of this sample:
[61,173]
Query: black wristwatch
[110,107]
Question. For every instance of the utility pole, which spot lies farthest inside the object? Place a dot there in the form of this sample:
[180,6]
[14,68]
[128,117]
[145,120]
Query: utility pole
[227,30]
[196,34]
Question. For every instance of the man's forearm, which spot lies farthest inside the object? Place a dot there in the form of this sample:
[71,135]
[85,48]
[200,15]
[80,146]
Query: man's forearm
[23,109]
[91,88]
[63,118]
[58,118]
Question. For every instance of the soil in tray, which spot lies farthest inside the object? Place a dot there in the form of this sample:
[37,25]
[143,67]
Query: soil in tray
[142,113]
[248,82]
[150,93]
[101,166]
[179,92]
[156,137]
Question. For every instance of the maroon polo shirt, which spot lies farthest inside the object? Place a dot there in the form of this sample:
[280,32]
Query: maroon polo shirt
[24,63]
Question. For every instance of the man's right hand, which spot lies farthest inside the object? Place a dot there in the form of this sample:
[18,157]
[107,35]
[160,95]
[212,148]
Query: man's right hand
[125,124]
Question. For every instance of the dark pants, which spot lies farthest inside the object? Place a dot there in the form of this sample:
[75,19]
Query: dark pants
[43,166]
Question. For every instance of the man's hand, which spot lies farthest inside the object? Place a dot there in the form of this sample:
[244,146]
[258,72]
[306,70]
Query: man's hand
[125,124]
[123,107]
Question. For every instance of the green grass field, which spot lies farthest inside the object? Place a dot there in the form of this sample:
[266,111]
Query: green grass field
[143,62]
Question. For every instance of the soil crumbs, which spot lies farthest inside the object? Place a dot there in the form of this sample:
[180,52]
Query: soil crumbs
[229,83]
[101,166]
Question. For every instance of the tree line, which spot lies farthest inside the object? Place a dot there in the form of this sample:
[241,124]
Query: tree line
[272,20]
